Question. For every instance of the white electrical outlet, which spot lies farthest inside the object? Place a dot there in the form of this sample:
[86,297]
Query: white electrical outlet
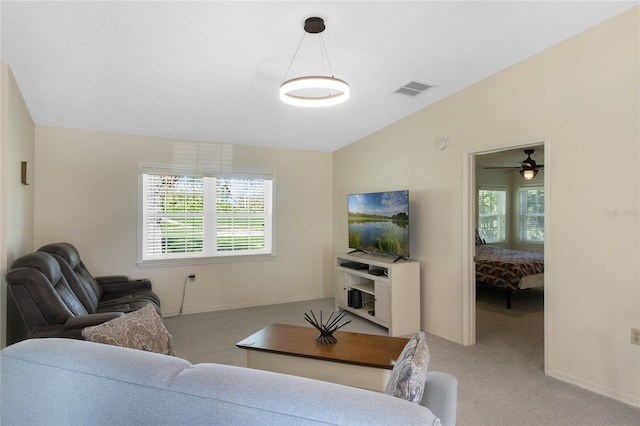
[635,336]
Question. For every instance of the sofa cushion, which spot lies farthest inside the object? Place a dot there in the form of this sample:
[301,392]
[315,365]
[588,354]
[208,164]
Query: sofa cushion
[142,329]
[409,373]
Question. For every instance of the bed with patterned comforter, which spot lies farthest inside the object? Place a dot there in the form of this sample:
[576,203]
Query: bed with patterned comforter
[511,269]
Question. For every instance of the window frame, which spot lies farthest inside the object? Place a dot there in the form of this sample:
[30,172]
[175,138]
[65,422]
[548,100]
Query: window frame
[522,216]
[505,216]
[186,258]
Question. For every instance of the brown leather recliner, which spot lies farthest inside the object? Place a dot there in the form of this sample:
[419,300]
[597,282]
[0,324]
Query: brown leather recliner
[45,300]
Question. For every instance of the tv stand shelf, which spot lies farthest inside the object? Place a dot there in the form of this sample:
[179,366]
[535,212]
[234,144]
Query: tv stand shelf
[381,290]
[365,287]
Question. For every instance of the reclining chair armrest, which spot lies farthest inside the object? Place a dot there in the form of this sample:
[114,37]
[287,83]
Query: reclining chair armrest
[112,279]
[117,283]
[72,328]
[82,321]
[441,396]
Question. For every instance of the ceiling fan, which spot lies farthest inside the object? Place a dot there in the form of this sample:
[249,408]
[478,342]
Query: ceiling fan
[528,168]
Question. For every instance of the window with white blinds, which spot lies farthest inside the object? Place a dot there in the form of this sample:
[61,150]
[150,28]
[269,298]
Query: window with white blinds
[492,214]
[187,216]
[531,207]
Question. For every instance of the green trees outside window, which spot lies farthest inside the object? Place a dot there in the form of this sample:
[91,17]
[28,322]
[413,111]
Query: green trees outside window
[492,214]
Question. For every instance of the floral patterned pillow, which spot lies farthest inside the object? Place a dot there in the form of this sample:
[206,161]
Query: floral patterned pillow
[142,329]
[409,373]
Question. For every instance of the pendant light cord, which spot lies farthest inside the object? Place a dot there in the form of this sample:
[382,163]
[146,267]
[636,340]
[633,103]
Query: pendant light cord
[294,57]
[323,54]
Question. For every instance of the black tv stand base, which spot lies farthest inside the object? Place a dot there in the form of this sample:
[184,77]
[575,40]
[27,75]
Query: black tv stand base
[357,251]
[398,257]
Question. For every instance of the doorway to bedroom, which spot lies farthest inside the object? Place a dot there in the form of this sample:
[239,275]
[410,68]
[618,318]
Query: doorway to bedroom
[506,225]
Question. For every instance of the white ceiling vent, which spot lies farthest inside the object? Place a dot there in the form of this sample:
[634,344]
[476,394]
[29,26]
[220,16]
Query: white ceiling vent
[413,88]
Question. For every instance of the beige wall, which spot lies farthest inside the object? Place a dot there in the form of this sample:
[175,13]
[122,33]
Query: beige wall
[582,96]
[86,194]
[17,135]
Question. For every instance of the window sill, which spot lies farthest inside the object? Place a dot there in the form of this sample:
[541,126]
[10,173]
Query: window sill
[163,263]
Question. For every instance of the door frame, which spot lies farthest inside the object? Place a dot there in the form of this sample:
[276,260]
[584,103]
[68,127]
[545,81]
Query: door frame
[468,239]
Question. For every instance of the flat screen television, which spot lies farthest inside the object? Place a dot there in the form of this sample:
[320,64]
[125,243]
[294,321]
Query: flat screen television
[379,223]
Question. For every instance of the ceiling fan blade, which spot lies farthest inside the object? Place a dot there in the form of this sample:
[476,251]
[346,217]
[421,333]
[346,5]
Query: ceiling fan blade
[538,166]
[528,163]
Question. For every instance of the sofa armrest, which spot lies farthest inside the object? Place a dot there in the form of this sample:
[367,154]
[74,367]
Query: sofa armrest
[54,330]
[117,283]
[82,321]
[441,396]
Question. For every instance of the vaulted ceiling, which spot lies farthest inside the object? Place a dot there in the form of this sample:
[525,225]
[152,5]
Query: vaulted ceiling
[211,70]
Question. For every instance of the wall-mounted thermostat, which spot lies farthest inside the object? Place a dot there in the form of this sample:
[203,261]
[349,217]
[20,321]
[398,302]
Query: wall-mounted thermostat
[25,173]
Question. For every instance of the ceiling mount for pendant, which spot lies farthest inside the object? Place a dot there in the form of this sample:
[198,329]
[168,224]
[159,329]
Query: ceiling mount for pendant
[314,25]
[317,90]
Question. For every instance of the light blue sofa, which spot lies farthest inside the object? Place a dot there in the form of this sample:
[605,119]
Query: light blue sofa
[73,382]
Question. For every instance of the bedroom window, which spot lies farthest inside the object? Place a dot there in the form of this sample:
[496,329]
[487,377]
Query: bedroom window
[531,214]
[186,216]
[492,214]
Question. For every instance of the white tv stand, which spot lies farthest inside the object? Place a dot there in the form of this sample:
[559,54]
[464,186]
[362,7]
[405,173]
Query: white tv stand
[391,299]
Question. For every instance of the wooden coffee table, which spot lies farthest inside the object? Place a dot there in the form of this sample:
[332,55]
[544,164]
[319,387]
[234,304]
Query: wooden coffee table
[360,360]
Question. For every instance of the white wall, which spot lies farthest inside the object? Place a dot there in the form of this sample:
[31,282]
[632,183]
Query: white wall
[86,194]
[17,135]
[582,94]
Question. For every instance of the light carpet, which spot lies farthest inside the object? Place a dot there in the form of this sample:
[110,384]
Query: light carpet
[501,378]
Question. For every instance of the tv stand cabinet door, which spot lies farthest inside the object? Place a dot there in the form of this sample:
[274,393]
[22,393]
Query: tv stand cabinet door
[382,305]
[341,289]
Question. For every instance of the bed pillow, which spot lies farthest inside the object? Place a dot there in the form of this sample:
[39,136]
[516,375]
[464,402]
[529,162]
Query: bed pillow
[409,373]
[142,329]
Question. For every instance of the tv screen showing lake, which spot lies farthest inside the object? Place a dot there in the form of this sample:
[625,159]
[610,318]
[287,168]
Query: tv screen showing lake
[379,222]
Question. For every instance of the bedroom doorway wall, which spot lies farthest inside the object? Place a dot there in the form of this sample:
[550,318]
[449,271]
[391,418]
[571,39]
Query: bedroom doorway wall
[468,226]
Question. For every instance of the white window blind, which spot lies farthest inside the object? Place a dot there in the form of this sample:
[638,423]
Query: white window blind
[188,216]
[531,208]
[241,206]
[492,214]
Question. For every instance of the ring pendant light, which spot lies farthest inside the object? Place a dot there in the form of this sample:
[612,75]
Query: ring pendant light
[314,91]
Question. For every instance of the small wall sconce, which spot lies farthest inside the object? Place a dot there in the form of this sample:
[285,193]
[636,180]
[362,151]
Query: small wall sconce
[25,173]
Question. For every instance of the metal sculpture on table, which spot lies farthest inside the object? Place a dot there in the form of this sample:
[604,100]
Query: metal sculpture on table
[327,328]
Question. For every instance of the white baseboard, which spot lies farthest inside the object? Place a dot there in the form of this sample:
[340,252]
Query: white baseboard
[594,387]
[186,311]
[455,339]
